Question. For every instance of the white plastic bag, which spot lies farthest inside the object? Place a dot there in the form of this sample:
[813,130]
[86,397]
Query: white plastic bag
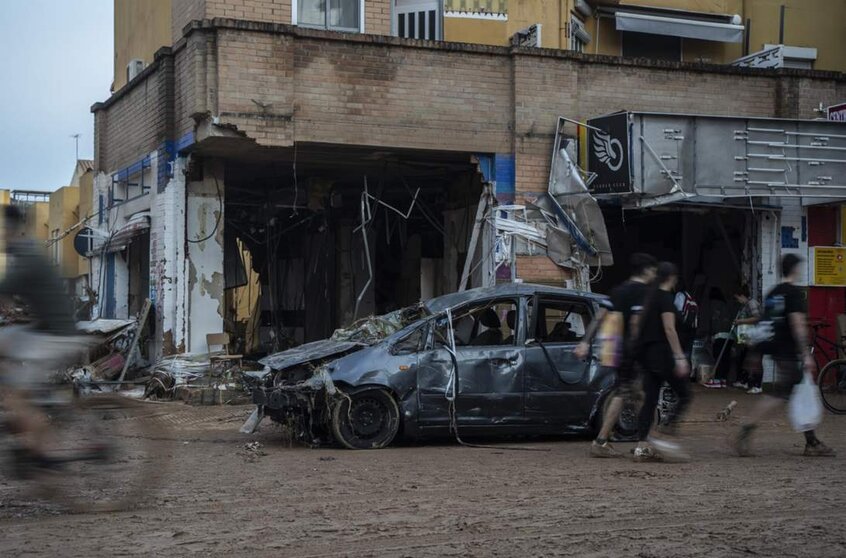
[805,407]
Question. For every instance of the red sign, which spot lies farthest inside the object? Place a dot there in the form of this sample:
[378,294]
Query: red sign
[837,112]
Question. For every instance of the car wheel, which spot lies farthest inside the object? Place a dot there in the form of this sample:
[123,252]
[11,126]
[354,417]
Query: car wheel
[626,427]
[366,420]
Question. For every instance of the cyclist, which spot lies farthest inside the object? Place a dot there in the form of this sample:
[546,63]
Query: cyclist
[785,307]
[46,342]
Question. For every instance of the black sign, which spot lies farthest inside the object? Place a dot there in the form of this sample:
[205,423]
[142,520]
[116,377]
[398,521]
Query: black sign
[609,155]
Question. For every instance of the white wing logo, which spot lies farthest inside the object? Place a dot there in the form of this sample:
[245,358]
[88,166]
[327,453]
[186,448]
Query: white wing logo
[607,150]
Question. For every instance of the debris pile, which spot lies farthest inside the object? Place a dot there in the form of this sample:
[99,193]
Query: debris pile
[195,379]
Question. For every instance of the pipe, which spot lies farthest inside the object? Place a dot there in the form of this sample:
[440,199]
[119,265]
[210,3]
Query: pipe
[781,25]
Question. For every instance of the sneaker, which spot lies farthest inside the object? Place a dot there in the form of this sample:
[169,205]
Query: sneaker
[819,450]
[723,383]
[669,451]
[743,441]
[603,450]
[645,454]
[741,385]
[755,391]
[713,384]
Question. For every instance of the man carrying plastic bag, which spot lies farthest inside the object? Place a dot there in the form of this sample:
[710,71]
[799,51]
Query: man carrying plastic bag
[783,334]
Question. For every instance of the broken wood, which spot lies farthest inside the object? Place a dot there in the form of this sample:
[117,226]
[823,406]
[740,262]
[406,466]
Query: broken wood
[142,320]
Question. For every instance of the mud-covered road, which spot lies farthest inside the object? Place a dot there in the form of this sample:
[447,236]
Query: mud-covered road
[220,499]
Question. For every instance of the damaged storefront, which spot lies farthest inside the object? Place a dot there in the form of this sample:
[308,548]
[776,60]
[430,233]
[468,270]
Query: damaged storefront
[722,197]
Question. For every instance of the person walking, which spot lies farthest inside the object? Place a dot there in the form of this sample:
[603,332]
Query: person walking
[784,306]
[719,328]
[747,359]
[662,359]
[627,301]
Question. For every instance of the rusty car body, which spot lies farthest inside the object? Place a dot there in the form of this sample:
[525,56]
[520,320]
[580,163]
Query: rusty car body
[486,361]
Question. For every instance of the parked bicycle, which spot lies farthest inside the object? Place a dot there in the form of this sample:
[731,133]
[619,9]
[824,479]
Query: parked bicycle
[832,376]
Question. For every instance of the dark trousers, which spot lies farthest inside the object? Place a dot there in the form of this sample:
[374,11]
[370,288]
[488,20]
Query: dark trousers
[749,367]
[658,367]
[724,366]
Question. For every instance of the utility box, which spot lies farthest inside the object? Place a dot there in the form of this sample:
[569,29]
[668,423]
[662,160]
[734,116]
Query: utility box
[648,159]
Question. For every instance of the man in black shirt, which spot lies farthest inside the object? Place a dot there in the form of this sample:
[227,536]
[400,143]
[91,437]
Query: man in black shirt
[627,299]
[784,306]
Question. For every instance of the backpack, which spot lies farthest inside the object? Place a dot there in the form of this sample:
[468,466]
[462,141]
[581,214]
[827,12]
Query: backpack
[689,311]
[762,335]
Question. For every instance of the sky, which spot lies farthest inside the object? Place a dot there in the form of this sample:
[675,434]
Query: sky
[55,62]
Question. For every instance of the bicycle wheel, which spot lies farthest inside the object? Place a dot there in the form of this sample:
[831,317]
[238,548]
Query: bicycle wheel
[103,447]
[832,384]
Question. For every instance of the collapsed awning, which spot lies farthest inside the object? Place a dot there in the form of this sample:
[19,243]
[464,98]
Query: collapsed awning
[688,28]
[118,240]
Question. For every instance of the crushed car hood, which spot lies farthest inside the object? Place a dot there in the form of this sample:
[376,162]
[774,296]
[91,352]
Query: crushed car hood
[315,350]
[363,333]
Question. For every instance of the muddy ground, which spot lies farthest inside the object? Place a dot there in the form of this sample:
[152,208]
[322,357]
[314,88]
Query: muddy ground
[446,500]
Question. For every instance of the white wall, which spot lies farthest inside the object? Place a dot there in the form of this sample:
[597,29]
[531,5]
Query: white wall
[204,235]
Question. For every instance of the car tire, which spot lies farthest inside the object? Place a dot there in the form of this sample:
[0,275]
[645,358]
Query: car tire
[626,427]
[366,419]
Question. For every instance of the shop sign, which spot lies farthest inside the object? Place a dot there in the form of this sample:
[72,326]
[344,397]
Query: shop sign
[836,112]
[609,156]
[829,266]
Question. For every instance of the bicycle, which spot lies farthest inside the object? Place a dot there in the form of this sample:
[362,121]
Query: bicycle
[831,379]
[100,452]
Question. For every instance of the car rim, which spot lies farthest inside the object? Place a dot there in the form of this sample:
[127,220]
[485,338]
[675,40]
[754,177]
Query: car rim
[367,417]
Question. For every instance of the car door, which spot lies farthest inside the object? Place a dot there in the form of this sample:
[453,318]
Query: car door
[489,379]
[557,381]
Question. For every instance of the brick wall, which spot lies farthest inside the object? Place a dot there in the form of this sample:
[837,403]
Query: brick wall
[541,269]
[277,84]
[182,13]
[136,119]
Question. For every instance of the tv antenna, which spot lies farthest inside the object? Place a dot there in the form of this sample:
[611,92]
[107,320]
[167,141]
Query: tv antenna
[76,138]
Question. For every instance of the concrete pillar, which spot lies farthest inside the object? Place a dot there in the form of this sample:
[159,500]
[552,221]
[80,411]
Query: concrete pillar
[168,265]
[204,239]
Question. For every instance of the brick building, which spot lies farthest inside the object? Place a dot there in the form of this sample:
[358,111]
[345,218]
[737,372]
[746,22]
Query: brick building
[249,130]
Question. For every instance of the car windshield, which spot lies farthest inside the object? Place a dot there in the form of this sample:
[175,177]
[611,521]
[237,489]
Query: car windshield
[375,328]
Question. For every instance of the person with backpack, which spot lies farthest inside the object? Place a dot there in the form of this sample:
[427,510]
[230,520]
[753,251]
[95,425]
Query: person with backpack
[662,359]
[783,334]
[627,302]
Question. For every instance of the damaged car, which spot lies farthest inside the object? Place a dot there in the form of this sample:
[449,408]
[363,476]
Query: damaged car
[486,361]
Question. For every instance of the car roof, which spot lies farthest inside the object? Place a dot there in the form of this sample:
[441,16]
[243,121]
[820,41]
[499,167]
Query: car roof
[441,303]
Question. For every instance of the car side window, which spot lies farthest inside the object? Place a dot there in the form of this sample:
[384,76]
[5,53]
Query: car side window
[562,320]
[491,323]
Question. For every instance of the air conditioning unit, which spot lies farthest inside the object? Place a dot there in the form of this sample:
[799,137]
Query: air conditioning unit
[133,69]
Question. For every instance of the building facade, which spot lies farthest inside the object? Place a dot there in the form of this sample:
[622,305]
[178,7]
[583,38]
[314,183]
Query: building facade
[285,138]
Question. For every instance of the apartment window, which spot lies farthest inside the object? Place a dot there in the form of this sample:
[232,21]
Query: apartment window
[579,38]
[417,19]
[336,15]
[656,47]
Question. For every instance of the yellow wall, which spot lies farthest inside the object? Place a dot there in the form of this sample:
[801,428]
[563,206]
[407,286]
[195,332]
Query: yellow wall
[808,23]
[141,28]
[63,214]
[37,221]
[477,31]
